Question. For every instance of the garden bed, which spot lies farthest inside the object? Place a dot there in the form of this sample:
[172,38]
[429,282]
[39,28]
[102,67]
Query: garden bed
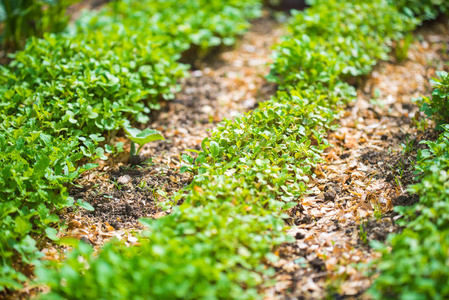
[223,208]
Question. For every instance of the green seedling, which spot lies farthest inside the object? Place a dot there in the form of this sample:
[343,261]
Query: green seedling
[420,123]
[403,47]
[117,185]
[407,147]
[142,137]
[363,233]
[377,212]
[143,184]
[376,99]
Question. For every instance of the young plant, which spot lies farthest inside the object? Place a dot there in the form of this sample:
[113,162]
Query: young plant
[363,233]
[377,212]
[402,48]
[407,147]
[141,137]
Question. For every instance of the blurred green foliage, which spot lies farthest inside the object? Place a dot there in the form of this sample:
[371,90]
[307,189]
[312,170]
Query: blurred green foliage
[422,9]
[21,19]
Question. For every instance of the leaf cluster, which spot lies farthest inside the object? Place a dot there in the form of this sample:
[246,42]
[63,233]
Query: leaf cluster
[437,106]
[329,46]
[422,9]
[181,23]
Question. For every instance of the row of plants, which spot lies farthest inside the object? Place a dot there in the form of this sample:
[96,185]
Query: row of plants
[67,94]
[417,266]
[249,172]
[214,23]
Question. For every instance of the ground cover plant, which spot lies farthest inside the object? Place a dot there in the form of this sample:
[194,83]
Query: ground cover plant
[63,92]
[416,267]
[248,173]
[178,24]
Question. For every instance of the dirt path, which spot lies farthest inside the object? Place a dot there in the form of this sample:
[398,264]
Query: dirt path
[226,84]
[363,177]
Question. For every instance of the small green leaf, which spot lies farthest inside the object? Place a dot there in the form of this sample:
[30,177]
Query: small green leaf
[100,153]
[88,166]
[193,150]
[162,193]
[119,147]
[22,225]
[143,137]
[52,233]
[108,148]
[187,158]
[84,205]
[184,169]
[214,149]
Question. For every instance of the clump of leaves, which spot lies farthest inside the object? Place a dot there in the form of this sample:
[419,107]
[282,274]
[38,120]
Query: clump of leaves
[302,60]
[437,106]
[422,9]
[363,233]
[377,212]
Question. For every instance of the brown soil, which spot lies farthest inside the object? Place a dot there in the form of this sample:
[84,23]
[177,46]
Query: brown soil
[363,177]
[76,9]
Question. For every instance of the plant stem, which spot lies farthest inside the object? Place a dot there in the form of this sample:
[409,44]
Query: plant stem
[133,149]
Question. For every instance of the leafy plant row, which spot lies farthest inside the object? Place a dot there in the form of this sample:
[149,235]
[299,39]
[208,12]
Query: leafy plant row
[249,172]
[417,266]
[63,92]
